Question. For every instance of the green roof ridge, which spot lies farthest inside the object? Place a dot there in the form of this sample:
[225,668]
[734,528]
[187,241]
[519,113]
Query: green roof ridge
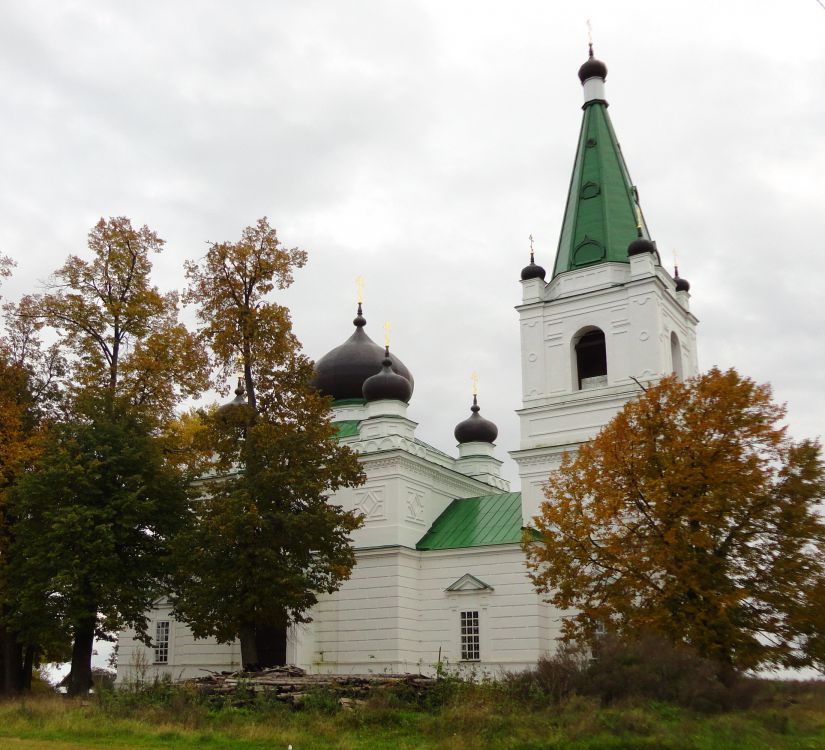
[476,522]
[600,215]
[347,428]
[349,402]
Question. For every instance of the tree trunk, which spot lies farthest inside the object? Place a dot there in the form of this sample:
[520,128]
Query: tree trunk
[251,397]
[28,668]
[11,657]
[249,649]
[80,677]
[270,643]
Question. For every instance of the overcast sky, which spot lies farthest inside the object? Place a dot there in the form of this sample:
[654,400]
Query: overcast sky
[418,144]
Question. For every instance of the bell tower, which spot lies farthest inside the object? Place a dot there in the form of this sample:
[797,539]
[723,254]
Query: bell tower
[610,319]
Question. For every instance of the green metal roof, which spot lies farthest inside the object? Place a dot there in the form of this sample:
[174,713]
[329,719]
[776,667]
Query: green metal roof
[347,428]
[600,217]
[476,522]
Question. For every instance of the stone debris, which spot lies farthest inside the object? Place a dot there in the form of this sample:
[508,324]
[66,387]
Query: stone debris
[291,684]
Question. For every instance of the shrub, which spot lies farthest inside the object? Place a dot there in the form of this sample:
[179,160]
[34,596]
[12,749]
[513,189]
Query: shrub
[652,667]
[322,701]
[648,667]
[554,678]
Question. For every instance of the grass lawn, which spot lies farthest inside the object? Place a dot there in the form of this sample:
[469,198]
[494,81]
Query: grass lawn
[470,717]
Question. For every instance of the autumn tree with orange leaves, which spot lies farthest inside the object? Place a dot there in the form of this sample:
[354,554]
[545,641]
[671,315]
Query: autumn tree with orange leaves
[265,540]
[29,401]
[99,506]
[694,515]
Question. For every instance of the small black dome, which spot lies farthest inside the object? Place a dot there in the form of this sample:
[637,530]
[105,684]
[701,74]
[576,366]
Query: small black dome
[233,410]
[341,372]
[475,429]
[640,245]
[682,285]
[533,271]
[593,68]
[387,384]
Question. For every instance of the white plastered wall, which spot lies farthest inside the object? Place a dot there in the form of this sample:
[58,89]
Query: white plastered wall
[393,615]
[188,657]
[637,308]
[396,615]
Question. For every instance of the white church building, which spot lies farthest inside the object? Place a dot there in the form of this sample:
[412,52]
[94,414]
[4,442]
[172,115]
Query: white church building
[440,573]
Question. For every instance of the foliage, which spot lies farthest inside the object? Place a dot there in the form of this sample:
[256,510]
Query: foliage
[98,508]
[123,332]
[650,666]
[95,518]
[266,540]
[645,667]
[230,288]
[554,679]
[29,398]
[480,716]
[693,515]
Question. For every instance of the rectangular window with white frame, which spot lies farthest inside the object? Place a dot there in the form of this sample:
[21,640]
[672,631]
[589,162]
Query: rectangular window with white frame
[162,642]
[470,636]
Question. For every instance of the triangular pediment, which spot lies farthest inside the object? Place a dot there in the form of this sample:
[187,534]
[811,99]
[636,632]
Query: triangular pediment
[467,583]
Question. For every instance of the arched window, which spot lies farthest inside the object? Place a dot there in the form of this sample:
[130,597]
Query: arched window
[591,360]
[676,355]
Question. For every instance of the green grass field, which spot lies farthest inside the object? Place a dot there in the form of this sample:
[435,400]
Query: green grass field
[470,717]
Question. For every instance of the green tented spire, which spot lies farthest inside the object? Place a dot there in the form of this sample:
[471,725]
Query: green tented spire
[602,215]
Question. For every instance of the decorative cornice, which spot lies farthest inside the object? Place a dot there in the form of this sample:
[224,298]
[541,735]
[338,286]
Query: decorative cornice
[453,479]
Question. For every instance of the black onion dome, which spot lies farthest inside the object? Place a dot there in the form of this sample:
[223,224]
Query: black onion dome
[533,271]
[475,429]
[234,408]
[682,285]
[640,245]
[593,68]
[341,372]
[387,384]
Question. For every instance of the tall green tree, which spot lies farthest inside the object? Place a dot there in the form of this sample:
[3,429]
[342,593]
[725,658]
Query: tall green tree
[28,399]
[694,515]
[94,519]
[267,540]
[131,362]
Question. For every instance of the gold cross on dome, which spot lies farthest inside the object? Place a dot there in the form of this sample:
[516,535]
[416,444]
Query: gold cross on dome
[638,217]
[474,378]
[359,288]
[531,244]
[589,32]
[387,327]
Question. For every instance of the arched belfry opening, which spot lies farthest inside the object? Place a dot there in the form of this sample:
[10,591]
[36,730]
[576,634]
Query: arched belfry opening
[590,359]
[676,355]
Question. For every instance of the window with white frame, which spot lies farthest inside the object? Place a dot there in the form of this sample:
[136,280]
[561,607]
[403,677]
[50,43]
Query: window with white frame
[470,644]
[162,642]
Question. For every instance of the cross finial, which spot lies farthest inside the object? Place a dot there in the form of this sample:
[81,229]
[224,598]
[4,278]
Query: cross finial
[531,249]
[590,36]
[474,379]
[638,220]
[387,333]
[359,288]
